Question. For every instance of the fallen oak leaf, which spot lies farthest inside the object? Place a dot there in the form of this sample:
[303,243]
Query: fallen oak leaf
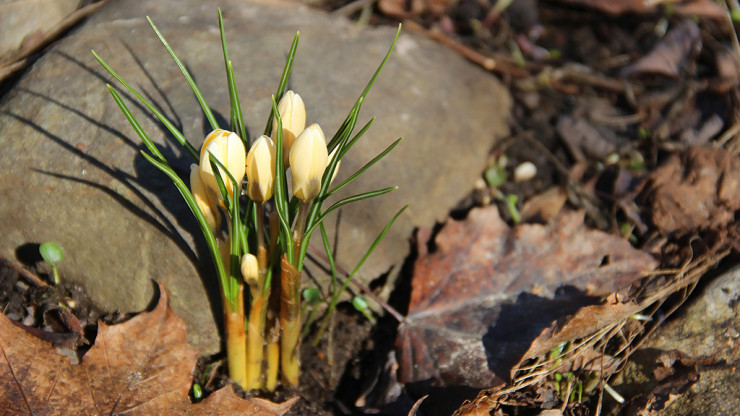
[139,367]
[470,317]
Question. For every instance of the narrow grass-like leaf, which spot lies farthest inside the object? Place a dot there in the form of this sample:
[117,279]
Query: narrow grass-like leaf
[329,256]
[186,74]
[283,85]
[135,124]
[171,127]
[235,255]
[347,125]
[217,167]
[356,137]
[202,222]
[340,203]
[237,120]
[369,85]
[326,181]
[364,168]
[280,186]
[337,294]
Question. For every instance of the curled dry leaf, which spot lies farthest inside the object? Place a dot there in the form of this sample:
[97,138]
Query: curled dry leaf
[472,316]
[676,51]
[698,189]
[139,367]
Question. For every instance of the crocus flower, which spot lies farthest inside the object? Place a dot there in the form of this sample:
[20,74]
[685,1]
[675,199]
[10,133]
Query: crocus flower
[209,209]
[308,158]
[228,148]
[293,115]
[261,169]
[250,269]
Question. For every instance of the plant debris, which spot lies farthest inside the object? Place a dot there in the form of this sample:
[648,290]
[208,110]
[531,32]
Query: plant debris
[139,367]
[488,290]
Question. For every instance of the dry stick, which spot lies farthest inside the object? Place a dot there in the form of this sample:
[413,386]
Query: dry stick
[498,64]
[364,289]
[37,281]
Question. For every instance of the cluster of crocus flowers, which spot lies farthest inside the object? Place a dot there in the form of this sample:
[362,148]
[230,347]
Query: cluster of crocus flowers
[306,155]
[254,271]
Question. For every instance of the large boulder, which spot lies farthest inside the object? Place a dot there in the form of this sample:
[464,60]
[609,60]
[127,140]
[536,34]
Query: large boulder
[74,174]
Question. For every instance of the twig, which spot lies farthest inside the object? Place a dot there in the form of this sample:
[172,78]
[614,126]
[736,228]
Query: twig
[31,277]
[489,63]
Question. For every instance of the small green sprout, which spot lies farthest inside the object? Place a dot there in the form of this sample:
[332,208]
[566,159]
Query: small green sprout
[361,305]
[197,392]
[495,175]
[52,254]
[511,201]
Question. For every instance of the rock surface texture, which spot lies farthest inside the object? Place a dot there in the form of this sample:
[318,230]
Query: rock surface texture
[707,330]
[74,175]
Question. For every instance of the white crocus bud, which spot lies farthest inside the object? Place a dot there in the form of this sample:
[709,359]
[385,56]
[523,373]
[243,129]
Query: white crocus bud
[250,269]
[210,210]
[308,158]
[261,169]
[293,115]
[228,148]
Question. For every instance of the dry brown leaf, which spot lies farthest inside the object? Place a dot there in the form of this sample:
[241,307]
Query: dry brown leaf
[545,206]
[471,317]
[698,189]
[139,367]
[679,46]
[588,320]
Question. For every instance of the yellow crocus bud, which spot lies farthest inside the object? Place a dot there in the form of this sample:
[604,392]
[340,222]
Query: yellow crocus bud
[308,158]
[261,169]
[210,210]
[250,269]
[228,148]
[293,115]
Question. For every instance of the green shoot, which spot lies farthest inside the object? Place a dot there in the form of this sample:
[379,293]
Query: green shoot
[52,254]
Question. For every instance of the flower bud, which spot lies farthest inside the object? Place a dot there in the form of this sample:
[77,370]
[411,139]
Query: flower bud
[261,169]
[308,158]
[293,115]
[228,148]
[209,209]
[250,269]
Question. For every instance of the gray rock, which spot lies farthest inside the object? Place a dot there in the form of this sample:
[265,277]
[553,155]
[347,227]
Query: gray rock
[74,174]
[706,329]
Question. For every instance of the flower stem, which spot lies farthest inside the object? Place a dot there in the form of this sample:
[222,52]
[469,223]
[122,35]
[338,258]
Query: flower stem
[290,321]
[236,345]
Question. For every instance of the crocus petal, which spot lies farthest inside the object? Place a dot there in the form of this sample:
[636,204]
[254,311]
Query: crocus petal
[210,210]
[261,169]
[293,115]
[228,148]
[308,159]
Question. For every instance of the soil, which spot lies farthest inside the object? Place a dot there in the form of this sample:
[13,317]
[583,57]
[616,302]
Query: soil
[583,123]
